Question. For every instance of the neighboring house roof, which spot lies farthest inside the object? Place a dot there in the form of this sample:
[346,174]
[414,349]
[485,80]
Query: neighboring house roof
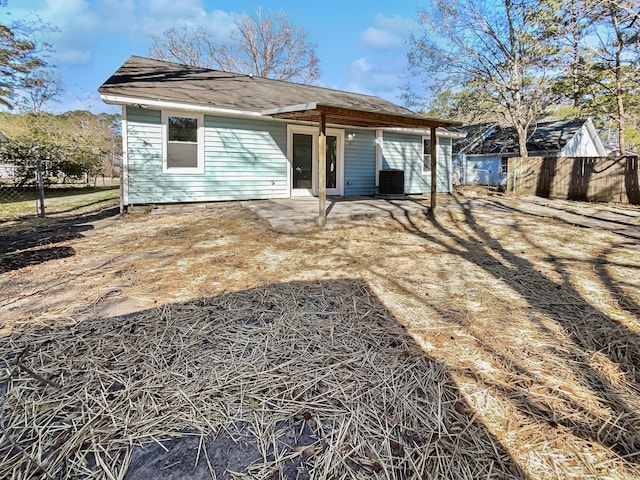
[491,138]
[154,82]
[614,151]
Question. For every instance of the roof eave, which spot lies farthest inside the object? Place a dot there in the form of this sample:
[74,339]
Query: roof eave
[147,102]
[442,132]
[341,115]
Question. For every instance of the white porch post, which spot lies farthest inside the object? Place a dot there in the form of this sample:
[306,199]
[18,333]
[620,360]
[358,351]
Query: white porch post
[379,142]
[322,170]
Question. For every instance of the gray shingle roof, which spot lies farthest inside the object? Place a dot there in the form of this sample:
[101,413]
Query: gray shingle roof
[148,79]
[544,137]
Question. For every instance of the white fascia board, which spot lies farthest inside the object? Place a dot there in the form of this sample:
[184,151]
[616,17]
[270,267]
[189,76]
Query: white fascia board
[444,133]
[124,168]
[595,138]
[479,138]
[440,132]
[145,102]
[481,156]
[532,154]
[290,108]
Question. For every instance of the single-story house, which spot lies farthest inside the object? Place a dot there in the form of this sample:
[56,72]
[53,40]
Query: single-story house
[192,134]
[482,156]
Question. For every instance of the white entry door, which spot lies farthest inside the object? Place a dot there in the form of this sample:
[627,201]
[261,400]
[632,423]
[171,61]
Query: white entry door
[303,158]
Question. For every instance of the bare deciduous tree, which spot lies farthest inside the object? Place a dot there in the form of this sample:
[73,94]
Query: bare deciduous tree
[27,79]
[613,74]
[39,87]
[18,57]
[186,45]
[494,50]
[268,46]
[599,62]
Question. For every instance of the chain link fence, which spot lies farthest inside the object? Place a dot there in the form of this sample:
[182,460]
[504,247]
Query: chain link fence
[24,187]
[21,184]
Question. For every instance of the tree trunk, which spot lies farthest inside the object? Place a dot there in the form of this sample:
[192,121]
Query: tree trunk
[618,82]
[621,121]
[522,141]
[574,33]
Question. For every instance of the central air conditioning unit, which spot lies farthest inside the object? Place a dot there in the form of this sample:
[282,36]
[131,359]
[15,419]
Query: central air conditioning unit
[391,182]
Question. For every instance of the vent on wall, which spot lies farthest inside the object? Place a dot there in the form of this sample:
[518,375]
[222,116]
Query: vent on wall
[391,182]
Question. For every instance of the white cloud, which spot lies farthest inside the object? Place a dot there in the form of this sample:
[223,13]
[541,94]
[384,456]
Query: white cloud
[70,15]
[396,23]
[73,21]
[382,70]
[387,32]
[74,57]
[84,24]
[383,77]
[361,65]
[141,18]
[383,39]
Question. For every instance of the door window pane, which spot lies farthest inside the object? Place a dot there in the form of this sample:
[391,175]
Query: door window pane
[332,161]
[302,160]
[426,156]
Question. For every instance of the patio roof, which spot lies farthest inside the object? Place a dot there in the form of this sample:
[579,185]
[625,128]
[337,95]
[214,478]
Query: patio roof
[358,117]
[325,113]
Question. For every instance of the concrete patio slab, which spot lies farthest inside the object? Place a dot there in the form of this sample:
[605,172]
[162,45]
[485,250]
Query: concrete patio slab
[290,214]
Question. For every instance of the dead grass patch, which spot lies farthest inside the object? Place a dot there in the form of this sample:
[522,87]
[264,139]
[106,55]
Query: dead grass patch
[533,322]
[327,354]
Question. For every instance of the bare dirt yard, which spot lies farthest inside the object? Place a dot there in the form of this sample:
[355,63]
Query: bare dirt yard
[500,339]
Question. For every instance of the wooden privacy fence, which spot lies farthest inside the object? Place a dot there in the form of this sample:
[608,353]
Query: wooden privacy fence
[600,179]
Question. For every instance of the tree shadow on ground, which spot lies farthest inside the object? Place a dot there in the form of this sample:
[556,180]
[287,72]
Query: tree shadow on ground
[615,421]
[613,220]
[614,287]
[601,263]
[33,233]
[19,260]
[290,380]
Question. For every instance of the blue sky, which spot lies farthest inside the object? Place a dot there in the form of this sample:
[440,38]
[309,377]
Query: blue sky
[361,45]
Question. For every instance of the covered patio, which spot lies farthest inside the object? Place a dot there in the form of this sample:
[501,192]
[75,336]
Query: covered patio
[324,114]
[292,214]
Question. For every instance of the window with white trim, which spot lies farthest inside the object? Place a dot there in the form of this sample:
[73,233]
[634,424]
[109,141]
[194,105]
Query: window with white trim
[426,155]
[504,165]
[183,143]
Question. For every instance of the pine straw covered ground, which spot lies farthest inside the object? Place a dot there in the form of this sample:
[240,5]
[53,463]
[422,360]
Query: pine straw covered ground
[488,343]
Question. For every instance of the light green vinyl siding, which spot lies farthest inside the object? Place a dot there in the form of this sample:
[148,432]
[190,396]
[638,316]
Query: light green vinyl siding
[404,152]
[443,172]
[144,152]
[360,162]
[244,159]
